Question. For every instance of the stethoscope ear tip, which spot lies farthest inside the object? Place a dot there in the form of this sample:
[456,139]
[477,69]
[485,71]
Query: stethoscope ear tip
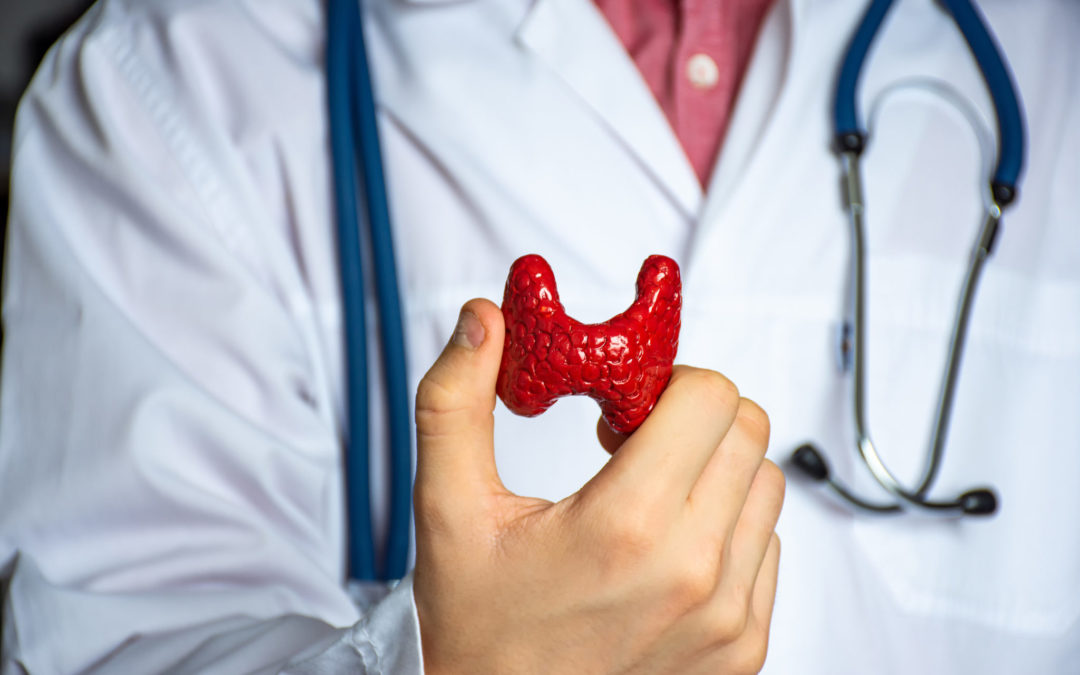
[979,502]
[811,462]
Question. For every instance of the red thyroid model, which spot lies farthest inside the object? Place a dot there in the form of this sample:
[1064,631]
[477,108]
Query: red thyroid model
[623,363]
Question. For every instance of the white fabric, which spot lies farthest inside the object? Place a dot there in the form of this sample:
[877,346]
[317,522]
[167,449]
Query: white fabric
[170,493]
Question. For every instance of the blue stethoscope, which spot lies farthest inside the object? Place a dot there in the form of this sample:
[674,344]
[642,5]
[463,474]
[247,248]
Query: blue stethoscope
[354,142]
[850,139]
[357,166]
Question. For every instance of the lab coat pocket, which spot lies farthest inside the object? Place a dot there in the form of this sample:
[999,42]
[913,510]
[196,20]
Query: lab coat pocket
[1014,427]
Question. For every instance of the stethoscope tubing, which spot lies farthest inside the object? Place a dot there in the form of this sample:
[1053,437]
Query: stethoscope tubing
[354,138]
[845,100]
[1002,88]
[999,82]
[977,500]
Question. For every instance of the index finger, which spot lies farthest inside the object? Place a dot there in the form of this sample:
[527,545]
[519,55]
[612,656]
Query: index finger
[673,446]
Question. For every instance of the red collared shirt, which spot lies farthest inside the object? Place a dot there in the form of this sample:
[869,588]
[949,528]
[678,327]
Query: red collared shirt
[692,54]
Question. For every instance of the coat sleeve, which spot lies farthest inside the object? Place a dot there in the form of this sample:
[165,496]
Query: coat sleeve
[170,483]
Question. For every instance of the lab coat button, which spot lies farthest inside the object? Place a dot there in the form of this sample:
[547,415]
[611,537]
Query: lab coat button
[702,71]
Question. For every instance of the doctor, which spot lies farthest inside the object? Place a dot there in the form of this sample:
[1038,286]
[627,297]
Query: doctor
[170,427]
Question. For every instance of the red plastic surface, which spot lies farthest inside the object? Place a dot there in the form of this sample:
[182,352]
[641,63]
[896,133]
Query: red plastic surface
[623,363]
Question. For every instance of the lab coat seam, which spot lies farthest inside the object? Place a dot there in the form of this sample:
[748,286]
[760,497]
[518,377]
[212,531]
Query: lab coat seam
[198,164]
[116,40]
[198,172]
[200,176]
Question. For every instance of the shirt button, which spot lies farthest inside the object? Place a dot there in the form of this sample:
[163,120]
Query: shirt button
[702,71]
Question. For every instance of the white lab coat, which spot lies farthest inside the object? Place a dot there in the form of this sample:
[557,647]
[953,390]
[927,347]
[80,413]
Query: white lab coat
[170,483]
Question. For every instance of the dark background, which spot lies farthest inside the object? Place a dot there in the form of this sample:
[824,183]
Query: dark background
[27,29]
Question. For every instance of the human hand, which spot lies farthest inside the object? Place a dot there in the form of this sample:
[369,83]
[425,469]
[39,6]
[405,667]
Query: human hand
[664,562]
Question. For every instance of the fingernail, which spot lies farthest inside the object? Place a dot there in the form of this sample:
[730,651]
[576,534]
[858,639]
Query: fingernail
[469,332]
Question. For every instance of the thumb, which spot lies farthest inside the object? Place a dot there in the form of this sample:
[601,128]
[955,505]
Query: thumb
[454,404]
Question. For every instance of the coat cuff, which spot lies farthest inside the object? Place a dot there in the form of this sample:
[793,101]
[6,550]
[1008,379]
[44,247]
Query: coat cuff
[388,637]
[386,641]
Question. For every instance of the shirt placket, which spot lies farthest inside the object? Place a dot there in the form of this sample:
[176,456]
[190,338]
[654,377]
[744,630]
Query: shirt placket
[702,80]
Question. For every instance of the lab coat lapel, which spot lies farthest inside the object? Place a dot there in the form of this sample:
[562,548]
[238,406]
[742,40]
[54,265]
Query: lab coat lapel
[767,113]
[574,40]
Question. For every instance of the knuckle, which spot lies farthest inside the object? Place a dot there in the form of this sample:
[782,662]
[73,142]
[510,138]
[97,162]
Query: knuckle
[630,534]
[433,396]
[695,584]
[443,409]
[728,619]
[711,387]
[754,420]
[749,657]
